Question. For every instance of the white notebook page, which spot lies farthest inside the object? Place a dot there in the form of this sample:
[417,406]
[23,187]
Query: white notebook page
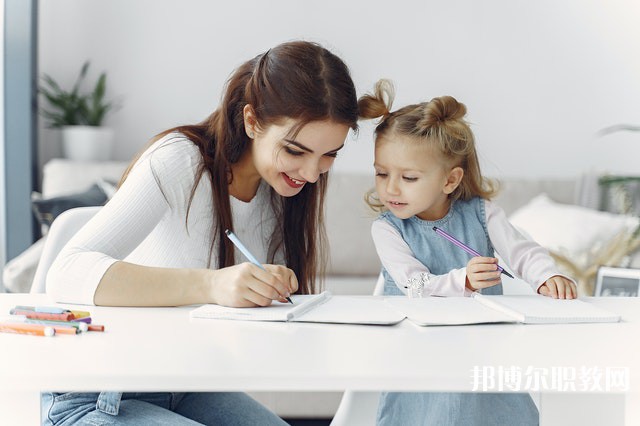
[323,308]
[277,311]
[537,309]
[353,310]
[446,311]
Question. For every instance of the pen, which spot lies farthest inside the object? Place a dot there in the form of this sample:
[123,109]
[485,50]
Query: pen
[468,249]
[246,252]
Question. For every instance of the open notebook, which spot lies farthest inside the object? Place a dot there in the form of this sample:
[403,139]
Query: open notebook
[480,309]
[311,308]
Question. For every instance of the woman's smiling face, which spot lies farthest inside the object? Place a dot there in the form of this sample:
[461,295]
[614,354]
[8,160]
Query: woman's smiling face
[287,162]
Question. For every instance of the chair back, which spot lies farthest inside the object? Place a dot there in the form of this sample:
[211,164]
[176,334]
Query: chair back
[379,288]
[62,229]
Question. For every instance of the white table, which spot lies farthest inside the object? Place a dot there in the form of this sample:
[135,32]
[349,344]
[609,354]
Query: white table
[161,349]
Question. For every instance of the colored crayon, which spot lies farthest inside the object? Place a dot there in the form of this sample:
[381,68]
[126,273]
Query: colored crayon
[80,314]
[68,316]
[30,329]
[51,310]
[62,327]
[75,326]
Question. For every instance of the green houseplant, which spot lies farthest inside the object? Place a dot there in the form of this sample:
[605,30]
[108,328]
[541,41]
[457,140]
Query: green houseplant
[80,116]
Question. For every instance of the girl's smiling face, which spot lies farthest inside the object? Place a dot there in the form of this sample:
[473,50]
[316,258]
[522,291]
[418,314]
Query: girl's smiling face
[288,163]
[413,179]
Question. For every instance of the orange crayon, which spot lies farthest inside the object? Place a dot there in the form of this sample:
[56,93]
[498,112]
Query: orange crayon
[64,330]
[95,327]
[31,329]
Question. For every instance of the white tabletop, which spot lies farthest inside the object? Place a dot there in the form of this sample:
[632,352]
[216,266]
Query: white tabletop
[146,349]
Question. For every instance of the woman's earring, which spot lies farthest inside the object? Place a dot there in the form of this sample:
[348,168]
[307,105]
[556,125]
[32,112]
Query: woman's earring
[251,135]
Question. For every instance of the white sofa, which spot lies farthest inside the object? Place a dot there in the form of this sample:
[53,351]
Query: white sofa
[353,266]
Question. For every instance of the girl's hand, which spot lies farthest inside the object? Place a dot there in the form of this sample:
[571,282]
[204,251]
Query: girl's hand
[482,272]
[246,285]
[559,288]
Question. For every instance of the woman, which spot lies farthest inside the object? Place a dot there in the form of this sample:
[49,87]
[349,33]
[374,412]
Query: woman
[256,166]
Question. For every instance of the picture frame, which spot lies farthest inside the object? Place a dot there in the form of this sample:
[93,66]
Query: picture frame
[619,282]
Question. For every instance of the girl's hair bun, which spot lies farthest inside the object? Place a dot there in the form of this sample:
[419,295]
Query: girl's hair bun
[379,103]
[439,111]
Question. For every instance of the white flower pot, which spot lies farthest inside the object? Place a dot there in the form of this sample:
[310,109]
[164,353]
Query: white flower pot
[87,143]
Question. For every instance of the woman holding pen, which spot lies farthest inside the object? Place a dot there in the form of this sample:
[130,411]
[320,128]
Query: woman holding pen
[256,166]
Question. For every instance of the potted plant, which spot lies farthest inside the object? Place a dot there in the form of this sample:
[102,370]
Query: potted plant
[80,117]
[620,194]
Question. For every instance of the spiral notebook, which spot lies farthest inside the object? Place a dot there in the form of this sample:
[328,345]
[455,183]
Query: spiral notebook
[482,309]
[323,308]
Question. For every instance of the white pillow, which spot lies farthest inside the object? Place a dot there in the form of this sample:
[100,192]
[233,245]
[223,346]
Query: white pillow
[573,231]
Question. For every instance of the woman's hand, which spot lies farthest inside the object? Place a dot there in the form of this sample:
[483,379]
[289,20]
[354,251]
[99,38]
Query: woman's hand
[482,272]
[247,285]
[559,287]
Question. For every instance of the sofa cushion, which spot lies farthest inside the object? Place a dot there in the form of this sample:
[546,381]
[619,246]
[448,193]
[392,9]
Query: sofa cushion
[46,210]
[578,233]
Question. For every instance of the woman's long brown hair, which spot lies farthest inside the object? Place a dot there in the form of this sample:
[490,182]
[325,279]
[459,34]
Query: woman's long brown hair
[298,80]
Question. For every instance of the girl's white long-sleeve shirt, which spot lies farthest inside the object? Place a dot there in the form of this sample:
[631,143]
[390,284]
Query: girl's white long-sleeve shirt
[524,257]
[146,223]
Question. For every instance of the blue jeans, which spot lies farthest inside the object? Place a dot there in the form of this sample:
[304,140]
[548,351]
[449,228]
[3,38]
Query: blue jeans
[456,409]
[161,408]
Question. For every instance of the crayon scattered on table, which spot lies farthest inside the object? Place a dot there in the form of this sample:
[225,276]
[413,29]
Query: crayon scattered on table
[66,316]
[47,321]
[80,314]
[79,326]
[30,329]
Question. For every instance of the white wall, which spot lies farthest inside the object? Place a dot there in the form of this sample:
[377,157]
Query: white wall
[539,78]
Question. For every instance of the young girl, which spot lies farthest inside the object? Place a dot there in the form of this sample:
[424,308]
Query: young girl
[427,175]
[258,166]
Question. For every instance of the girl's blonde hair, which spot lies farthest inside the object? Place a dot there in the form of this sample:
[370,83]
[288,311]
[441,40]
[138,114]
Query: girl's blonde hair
[440,123]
